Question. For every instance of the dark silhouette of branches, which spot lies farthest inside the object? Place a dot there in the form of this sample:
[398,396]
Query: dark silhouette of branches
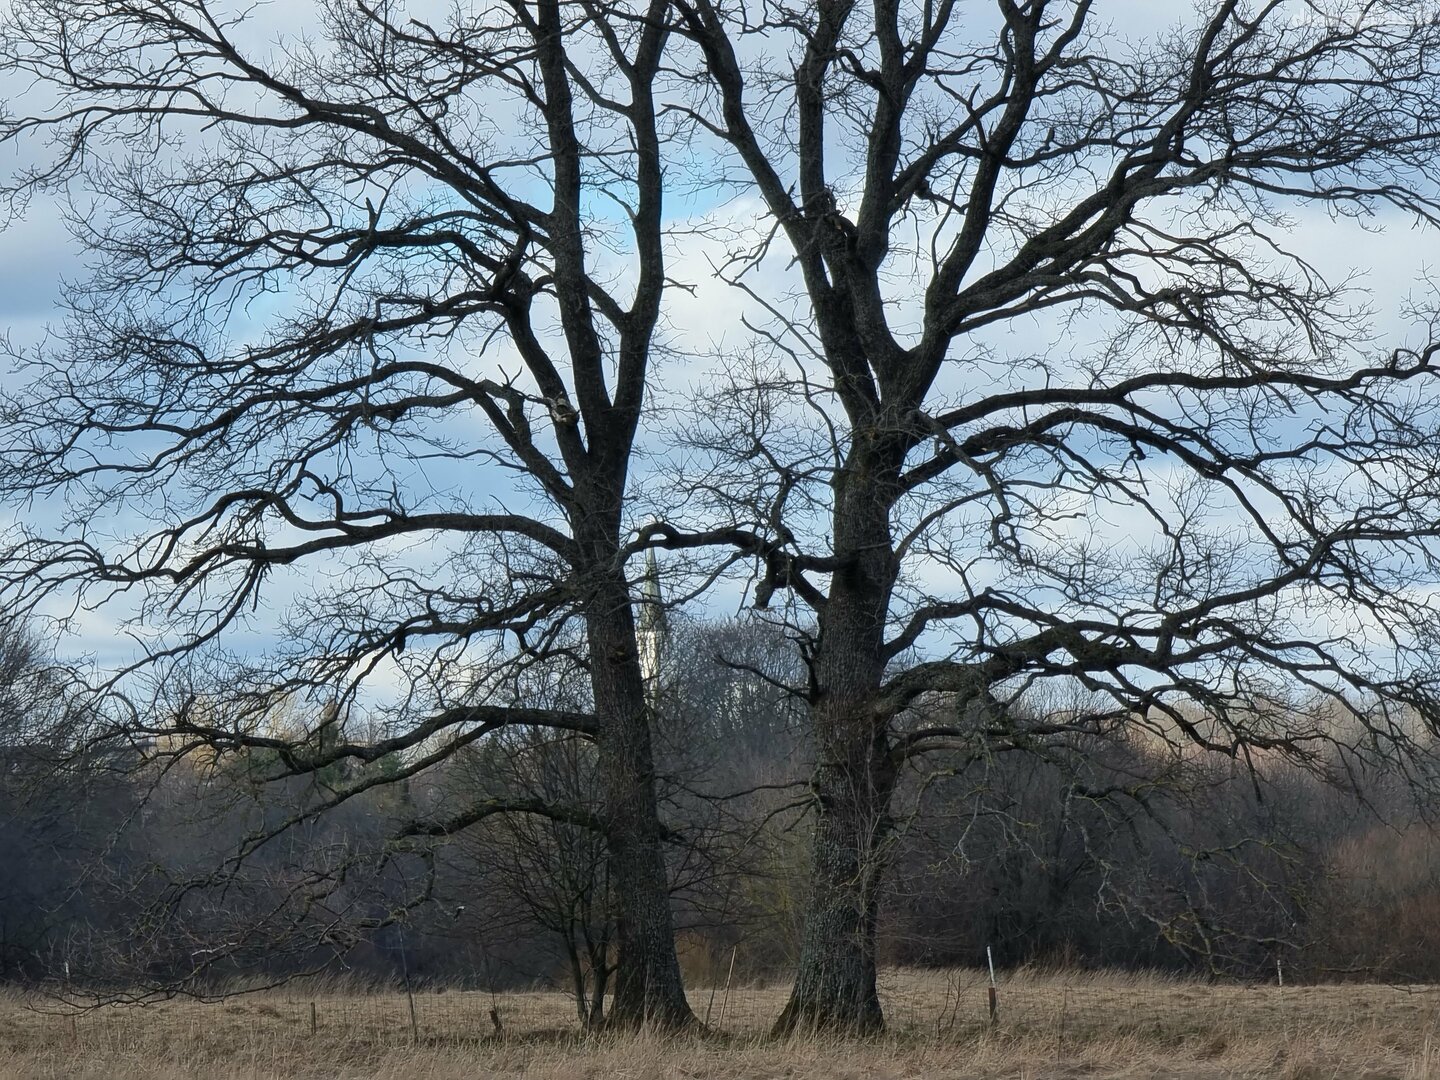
[365,343]
[1208,503]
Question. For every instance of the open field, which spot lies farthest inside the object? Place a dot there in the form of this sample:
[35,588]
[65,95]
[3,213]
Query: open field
[1068,1026]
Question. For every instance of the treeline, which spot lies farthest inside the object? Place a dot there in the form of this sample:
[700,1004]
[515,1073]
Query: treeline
[1126,852]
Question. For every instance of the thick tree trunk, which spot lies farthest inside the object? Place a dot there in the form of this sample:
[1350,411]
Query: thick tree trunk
[854,775]
[648,988]
[835,981]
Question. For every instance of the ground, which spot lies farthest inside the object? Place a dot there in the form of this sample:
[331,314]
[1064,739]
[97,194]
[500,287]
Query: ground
[1056,1026]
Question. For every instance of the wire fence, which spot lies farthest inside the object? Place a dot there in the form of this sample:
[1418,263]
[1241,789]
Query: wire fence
[1068,1011]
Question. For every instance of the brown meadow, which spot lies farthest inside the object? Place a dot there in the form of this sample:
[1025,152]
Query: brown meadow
[1061,1025]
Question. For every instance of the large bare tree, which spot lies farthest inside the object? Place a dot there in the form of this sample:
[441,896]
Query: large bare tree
[1044,394]
[364,344]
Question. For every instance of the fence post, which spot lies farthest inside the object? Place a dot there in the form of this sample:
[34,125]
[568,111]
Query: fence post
[1064,1015]
[725,1004]
[994,997]
[409,993]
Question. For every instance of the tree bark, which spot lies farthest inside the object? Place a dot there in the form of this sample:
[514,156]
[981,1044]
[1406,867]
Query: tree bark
[835,985]
[648,988]
[599,985]
[854,775]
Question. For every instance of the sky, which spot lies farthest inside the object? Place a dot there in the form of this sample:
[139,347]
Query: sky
[1390,256]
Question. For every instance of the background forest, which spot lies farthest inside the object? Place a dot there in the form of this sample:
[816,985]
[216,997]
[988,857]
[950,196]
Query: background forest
[1088,853]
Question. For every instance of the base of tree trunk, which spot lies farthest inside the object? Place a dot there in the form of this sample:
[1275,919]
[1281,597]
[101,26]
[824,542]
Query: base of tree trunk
[648,989]
[663,1015]
[837,1008]
[835,980]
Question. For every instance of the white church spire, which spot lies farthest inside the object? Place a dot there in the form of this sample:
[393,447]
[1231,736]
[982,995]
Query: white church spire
[652,630]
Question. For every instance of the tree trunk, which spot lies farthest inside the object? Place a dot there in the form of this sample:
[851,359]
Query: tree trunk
[599,983]
[577,981]
[854,774]
[648,988]
[835,982]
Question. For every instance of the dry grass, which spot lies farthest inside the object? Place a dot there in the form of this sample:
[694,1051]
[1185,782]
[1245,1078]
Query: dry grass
[1065,1026]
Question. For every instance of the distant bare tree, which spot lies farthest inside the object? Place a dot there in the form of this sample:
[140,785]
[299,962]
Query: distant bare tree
[1210,501]
[548,873]
[366,337]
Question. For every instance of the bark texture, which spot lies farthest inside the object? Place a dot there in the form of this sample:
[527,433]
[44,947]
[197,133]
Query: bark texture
[854,775]
[648,988]
[835,983]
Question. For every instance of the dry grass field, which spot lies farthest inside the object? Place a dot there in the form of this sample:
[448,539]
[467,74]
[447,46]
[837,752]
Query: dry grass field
[1064,1026]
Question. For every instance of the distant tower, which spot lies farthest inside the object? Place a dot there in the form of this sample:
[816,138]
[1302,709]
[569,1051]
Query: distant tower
[652,630]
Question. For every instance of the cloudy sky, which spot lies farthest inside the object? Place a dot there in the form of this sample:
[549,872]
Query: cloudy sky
[1390,255]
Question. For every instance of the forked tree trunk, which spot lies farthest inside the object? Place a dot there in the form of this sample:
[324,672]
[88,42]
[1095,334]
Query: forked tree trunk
[648,989]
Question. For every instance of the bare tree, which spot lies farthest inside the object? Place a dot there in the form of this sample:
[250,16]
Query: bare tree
[1209,500]
[366,338]
[552,874]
